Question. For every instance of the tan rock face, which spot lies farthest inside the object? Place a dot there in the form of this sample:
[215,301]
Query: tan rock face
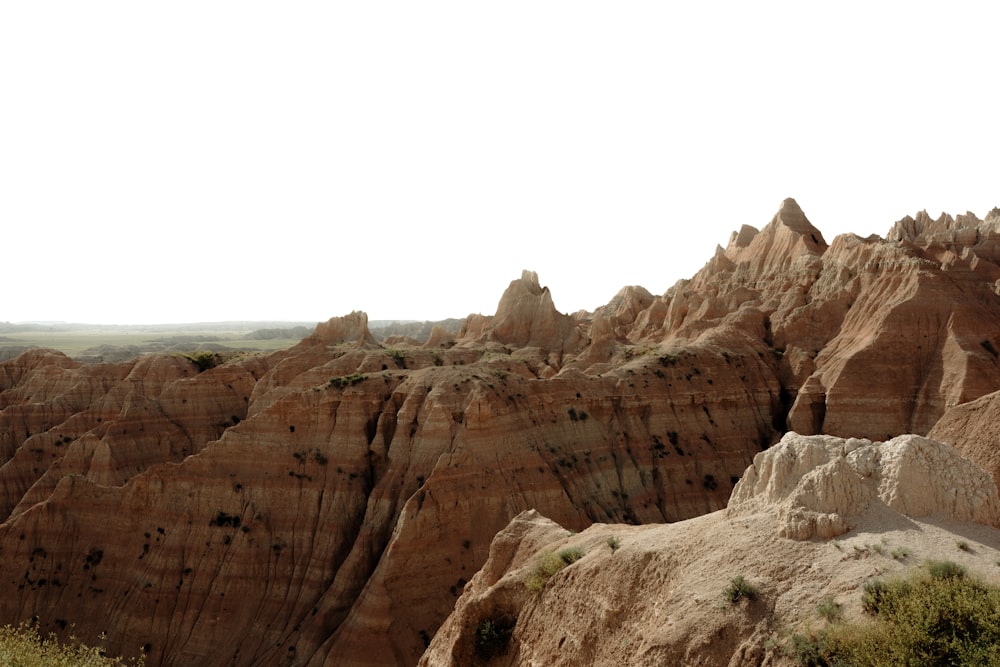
[328,503]
[356,490]
[973,428]
[653,595]
[875,338]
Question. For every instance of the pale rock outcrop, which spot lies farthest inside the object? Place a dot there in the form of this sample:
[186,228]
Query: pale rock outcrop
[818,484]
[526,316]
[973,428]
[351,328]
[652,595]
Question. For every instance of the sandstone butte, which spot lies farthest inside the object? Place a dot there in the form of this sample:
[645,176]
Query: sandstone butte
[328,504]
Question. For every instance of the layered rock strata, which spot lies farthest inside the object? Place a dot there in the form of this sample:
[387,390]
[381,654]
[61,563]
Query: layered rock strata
[328,503]
[654,595]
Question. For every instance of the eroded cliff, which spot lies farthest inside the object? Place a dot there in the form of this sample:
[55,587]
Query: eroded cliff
[327,504]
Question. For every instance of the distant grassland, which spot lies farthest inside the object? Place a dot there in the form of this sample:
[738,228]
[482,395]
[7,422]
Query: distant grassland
[113,343]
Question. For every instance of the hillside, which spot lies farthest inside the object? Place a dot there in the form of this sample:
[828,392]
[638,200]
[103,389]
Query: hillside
[328,503]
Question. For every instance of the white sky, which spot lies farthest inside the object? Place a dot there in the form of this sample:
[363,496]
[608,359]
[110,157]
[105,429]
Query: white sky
[207,161]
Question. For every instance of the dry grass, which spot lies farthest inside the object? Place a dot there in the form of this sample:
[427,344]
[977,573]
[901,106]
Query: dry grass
[23,646]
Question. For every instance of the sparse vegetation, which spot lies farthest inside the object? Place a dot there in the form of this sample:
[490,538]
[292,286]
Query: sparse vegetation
[399,356]
[548,564]
[941,616]
[493,637]
[945,569]
[614,543]
[829,609]
[964,546]
[900,553]
[23,646]
[347,380]
[739,589]
[203,359]
[571,555]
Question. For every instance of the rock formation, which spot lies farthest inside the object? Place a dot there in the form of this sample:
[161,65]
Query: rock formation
[326,504]
[973,428]
[818,484]
[653,595]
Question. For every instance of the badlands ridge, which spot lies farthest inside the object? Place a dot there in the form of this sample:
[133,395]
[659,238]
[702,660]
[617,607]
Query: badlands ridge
[351,502]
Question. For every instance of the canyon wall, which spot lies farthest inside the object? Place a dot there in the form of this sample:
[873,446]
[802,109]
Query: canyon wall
[327,504]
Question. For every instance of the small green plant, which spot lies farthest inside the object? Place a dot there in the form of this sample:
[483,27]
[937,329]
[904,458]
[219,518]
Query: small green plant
[614,543]
[945,569]
[548,564]
[203,359]
[347,380]
[900,553]
[398,356]
[964,546]
[571,555]
[493,637]
[829,609]
[739,589]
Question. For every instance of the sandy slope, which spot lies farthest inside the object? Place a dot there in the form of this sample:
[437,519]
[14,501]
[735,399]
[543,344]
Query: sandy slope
[657,599]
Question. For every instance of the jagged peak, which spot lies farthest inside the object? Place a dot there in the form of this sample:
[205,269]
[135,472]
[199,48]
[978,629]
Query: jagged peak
[530,280]
[526,315]
[351,328]
[790,215]
[962,229]
[743,237]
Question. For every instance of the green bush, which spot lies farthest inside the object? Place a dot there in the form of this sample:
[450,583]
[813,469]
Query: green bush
[945,569]
[203,359]
[927,619]
[23,646]
[829,609]
[571,555]
[548,564]
[493,637]
[347,380]
[739,589]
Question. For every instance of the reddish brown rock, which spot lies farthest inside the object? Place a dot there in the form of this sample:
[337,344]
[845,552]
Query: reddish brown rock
[327,504]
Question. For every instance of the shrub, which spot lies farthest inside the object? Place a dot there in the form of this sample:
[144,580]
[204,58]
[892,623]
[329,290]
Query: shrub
[571,555]
[900,553]
[739,589]
[829,609]
[25,647]
[347,380]
[614,543]
[923,620]
[203,359]
[548,564]
[945,569]
[493,637]
[398,356]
